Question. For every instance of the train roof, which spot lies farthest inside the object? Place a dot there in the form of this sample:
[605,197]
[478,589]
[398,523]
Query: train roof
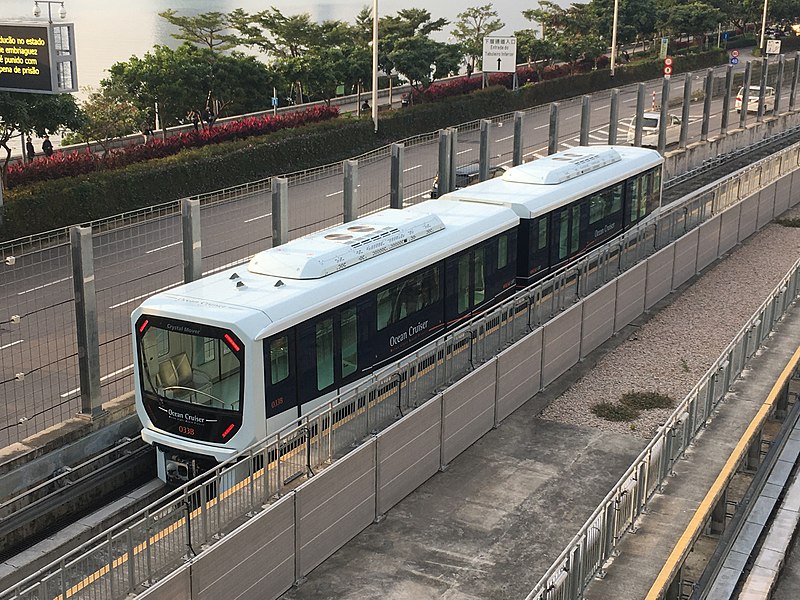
[312,274]
[539,186]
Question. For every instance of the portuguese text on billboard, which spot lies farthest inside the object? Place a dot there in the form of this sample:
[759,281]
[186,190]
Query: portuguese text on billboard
[24,58]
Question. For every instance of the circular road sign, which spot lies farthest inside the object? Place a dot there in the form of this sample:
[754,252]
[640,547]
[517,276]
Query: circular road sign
[734,61]
[734,53]
[667,70]
[668,62]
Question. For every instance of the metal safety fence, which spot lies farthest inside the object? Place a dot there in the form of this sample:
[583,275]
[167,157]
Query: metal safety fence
[139,253]
[151,543]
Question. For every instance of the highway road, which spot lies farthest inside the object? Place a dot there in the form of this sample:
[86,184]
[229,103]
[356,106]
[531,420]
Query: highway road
[141,254]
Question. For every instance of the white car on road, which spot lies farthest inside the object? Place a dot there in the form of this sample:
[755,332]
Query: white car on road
[650,126]
[752,99]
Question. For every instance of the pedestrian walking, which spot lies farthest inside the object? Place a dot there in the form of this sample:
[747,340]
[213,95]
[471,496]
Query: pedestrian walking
[47,146]
[29,150]
[194,117]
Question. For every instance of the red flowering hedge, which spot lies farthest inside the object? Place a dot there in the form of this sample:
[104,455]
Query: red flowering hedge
[81,162]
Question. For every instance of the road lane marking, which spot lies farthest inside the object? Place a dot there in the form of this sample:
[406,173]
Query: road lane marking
[411,168]
[39,287]
[163,247]
[597,137]
[464,151]
[11,344]
[334,194]
[103,378]
[508,137]
[258,217]
[135,298]
[541,126]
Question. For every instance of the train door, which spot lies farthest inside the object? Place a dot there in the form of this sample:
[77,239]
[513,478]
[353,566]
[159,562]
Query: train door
[565,241]
[465,282]
[280,372]
[533,253]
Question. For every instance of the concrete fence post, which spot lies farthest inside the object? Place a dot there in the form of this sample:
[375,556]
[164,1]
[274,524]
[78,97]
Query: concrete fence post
[707,104]
[519,118]
[726,99]
[613,117]
[444,161]
[795,75]
[586,117]
[453,158]
[748,73]
[662,130]
[86,319]
[350,205]
[398,164]
[687,100]
[779,85]
[192,240]
[483,164]
[762,85]
[637,132]
[552,140]
[280,211]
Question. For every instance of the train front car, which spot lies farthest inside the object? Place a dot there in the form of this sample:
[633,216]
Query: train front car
[190,380]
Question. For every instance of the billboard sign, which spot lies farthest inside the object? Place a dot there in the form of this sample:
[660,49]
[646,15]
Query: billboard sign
[37,58]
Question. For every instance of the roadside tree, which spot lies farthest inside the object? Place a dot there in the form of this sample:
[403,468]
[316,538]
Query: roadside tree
[107,117]
[210,30]
[471,27]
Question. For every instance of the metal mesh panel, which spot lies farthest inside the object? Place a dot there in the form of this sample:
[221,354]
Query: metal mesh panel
[37,338]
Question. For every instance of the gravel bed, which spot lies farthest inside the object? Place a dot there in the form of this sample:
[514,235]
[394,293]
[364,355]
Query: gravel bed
[672,350]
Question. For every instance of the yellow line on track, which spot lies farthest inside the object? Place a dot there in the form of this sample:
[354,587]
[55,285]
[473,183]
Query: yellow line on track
[693,529]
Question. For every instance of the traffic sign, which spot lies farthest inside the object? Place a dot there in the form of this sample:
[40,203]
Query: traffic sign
[725,36]
[667,70]
[662,53]
[499,54]
[274,101]
[773,46]
[668,62]
[734,53]
[734,60]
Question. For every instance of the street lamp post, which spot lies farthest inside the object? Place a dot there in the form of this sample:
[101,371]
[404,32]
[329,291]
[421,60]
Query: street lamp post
[37,11]
[762,45]
[614,37]
[375,64]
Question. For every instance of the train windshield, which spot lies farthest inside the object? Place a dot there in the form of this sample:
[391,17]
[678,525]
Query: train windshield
[189,363]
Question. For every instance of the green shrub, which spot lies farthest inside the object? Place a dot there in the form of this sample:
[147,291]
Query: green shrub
[646,400]
[611,411]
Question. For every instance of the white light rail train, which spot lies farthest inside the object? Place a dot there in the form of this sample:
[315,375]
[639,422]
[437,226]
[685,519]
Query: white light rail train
[224,361]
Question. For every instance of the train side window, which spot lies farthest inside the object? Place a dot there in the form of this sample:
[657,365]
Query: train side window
[502,251]
[408,296]
[597,207]
[479,276]
[279,359]
[563,234]
[616,195]
[654,198]
[463,283]
[325,360]
[576,229]
[541,234]
[349,332]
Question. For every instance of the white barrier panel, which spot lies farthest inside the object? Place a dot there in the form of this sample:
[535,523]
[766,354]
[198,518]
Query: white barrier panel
[468,410]
[783,194]
[519,374]
[175,586]
[254,562]
[409,452]
[659,276]
[562,343]
[598,317]
[685,259]
[708,243]
[729,229]
[748,217]
[334,506]
[766,205]
[793,197]
[631,286]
